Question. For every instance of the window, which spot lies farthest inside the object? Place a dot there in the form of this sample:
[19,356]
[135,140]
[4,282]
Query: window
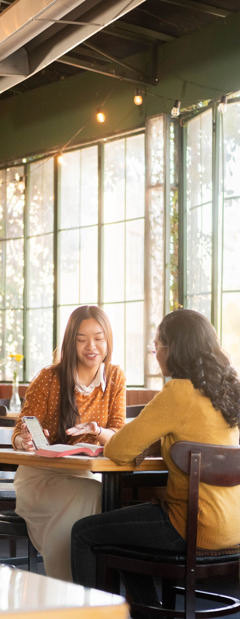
[11,265]
[161,239]
[123,230]
[212,222]
[198,214]
[77,243]
[38,347]
[92,232]
[229,232]
[101,242]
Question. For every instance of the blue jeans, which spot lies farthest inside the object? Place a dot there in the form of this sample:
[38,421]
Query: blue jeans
[144,526]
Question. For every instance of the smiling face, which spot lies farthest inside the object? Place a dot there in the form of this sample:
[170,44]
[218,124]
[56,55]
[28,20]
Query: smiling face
[91,344]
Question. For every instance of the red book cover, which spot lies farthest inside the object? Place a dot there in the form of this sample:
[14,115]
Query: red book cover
[81,449]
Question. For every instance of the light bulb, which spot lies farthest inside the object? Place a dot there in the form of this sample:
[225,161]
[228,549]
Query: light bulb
[223,104]
[137,97]
[175,111]
[100,116]
[60,158]
[21,184]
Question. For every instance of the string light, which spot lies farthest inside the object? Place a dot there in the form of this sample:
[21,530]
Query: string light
[21,184]
[223,104]
[60,158]
[175,111]
[137,97]
[100,116]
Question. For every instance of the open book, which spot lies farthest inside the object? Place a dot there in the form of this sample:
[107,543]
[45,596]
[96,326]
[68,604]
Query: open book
[82,449]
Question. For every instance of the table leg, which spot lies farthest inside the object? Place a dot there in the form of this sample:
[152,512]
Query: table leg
[111,483]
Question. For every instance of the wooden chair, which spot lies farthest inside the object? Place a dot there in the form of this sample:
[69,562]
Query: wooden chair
[5,402]
[7,473]
[133,410]
[12,526]
[211,464]
[4,419]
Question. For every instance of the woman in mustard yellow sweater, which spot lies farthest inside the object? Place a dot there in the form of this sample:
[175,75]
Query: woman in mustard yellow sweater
[200,403]
[80,398]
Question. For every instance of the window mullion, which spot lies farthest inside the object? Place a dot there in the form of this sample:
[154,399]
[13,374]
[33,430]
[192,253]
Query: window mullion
[215,205]
[167,207]
[100,221]
[26,273]
[183,223]
[181,247]
[56,190]
[4,245]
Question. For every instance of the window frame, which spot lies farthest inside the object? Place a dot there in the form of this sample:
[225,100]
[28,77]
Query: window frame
[56,187]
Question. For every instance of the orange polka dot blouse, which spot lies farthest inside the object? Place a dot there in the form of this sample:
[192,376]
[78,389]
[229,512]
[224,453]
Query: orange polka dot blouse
[107,408]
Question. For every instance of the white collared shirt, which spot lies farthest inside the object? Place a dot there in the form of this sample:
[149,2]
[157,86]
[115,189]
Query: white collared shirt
[98,380]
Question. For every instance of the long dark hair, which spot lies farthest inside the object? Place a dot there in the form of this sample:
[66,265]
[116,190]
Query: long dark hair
[195,353]
[67,366]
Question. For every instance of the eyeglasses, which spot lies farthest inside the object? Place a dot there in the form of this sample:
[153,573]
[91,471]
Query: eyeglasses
[153,348]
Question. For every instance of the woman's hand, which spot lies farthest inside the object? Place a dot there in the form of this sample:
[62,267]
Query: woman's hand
[91,427]
[24,440]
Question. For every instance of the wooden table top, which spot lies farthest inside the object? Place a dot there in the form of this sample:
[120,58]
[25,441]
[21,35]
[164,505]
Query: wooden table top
[24,595]
[81,463]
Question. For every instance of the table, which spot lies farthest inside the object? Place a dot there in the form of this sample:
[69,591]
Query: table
[24,595]
[111,472]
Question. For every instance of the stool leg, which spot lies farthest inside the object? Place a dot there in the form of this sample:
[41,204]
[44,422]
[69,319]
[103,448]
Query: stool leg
[13,546]
[107,578]
[168,593]
[32,557]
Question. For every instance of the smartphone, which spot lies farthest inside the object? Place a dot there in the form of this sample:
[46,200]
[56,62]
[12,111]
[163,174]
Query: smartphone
[35,428]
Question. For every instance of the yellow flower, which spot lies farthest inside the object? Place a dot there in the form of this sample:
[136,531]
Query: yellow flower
[17,357]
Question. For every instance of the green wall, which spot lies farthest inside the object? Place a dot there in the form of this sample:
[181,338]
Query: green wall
[200,66]
[48,117]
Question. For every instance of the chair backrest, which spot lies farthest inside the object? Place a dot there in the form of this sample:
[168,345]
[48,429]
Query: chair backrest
[219,464]
[5,402]
[3,410]
[133,410]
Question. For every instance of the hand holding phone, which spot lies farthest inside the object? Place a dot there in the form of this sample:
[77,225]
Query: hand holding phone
[35,429]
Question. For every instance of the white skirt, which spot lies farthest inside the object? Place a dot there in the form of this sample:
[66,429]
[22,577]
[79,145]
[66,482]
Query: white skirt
[50,502]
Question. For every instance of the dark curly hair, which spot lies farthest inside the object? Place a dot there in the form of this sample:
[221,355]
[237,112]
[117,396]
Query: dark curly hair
[195,353]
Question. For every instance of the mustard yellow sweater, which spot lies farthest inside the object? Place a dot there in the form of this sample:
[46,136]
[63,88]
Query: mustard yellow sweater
[107,408]
[180,412]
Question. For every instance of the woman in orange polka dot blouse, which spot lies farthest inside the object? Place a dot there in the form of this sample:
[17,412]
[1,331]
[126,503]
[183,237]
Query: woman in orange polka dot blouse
[80,398]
